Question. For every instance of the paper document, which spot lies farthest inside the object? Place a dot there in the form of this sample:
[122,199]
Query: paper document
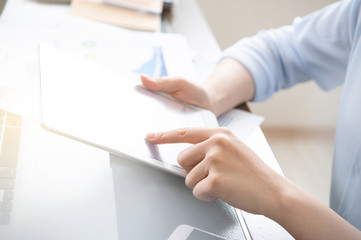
[240,122]
[154,54]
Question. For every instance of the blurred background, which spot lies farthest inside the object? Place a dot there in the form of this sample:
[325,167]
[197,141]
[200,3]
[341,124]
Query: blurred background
[300,122]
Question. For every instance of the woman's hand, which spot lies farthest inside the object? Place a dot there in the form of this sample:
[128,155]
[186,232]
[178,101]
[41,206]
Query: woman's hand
[219,165]
[229,85]
[180,89]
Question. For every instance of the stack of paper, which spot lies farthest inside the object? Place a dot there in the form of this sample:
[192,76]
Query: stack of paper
[142,15]
[146,6]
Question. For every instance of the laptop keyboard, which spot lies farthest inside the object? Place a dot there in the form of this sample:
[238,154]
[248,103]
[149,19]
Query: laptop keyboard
[10,131]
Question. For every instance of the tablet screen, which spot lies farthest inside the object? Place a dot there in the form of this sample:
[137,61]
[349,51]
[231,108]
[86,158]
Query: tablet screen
[111,110]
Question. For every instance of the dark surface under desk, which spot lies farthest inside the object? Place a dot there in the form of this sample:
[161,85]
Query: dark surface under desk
[2,5]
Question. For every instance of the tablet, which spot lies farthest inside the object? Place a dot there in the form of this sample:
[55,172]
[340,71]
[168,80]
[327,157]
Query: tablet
[90,103]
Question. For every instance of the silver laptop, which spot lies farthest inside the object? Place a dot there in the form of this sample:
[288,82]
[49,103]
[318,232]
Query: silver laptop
[86,101]
[50,187]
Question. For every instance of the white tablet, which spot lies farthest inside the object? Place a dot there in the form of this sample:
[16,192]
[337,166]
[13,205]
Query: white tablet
[87,102]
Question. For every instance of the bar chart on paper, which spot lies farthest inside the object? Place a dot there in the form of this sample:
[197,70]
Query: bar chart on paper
[131,55]
[155,67]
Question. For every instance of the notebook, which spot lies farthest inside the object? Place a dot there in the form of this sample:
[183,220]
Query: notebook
[110,110]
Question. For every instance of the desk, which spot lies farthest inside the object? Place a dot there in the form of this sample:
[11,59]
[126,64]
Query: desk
[150,203]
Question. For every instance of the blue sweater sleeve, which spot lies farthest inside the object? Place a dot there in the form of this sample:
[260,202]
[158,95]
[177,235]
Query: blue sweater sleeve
[315,47]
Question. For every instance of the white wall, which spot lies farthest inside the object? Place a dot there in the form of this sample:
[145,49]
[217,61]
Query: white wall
[304,106]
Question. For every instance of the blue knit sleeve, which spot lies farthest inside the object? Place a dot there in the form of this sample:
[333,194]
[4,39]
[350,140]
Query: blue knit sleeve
[314,47]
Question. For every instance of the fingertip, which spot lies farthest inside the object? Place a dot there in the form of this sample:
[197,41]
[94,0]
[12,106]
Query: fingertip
[143,76]
[150,136]
[149,83]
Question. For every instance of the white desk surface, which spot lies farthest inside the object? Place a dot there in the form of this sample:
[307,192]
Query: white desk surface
[187,19]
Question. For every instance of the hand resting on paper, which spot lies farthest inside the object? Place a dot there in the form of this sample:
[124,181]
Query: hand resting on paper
[229,85]
[180,89]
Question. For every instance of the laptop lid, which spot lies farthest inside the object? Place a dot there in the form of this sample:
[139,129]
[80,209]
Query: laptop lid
[110,110]
[51,187]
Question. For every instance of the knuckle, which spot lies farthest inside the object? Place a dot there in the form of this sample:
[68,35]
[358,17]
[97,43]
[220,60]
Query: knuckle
[181,158]
[182,132]
[209,192]
[220,139]
[225,130]
[216,161]
[189,182]
[161,136]
[202,194]
[212,158]
[215,181]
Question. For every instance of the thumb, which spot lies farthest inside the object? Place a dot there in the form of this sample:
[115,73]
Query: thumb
[163,84]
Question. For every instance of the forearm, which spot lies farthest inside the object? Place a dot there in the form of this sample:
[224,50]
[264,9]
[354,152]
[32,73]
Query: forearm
[305,217]
[229,85]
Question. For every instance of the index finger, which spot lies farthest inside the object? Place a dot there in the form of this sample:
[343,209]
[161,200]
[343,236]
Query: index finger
[181,135]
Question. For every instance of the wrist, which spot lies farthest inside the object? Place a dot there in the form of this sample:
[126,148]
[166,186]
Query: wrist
[229,85]
[211,100]
[284,198]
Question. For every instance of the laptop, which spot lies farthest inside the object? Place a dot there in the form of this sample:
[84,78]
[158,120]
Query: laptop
[51,187]
[87,102]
